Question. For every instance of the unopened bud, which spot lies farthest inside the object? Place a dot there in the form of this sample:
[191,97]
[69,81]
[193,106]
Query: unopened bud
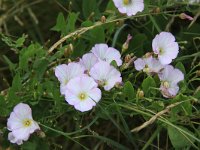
[4,93]
[127,58]
[157,10]
[198,73]
[120,22]
[41,134]
[126,44]
[103,19]
[185,16]
[119,85]
[147,55]
[68,50]
[140,93]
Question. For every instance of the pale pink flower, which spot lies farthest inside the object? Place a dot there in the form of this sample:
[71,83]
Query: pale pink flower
[129,7]
[106,75]
[165,47]
[170,77]
[88,61]
[149,65]
[21,124]
[66,72]
[108,54]
[82,93]
[13,139]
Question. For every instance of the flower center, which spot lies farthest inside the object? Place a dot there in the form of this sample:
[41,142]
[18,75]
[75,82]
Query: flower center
[161,51]
[126,2]
[82,96]
[146,68]
[166,84]
[27,122]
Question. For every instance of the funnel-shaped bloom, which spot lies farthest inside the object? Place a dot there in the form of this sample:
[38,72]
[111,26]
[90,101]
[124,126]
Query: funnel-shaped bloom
[88,61]
[170,77]
[106,75]
[129,7]
[108,54]
[66,72]
[82,93]
[165,47]
[21,124]
[149,65]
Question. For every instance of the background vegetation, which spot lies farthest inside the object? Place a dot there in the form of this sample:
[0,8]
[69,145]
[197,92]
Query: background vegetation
[30,28]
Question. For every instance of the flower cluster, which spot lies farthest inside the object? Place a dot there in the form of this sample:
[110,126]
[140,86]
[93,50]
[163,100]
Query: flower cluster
[21,124]
[79,81]
[165,49]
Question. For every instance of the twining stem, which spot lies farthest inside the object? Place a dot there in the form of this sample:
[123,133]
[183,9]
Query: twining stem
[84,29]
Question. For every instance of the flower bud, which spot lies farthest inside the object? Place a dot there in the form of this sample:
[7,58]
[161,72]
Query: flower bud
[41,134]
[198,73]
[185,16]
[140,94]
[103,19]
[68,50]
[127,58]
[126,44]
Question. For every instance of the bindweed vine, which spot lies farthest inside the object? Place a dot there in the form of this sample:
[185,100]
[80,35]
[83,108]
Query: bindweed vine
[118,74]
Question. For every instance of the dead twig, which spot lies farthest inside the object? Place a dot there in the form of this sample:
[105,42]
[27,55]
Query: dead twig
[153,119]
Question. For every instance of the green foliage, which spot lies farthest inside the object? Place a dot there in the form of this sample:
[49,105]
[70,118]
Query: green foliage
[129,91]
[27,75]
[147,86]
[179,139]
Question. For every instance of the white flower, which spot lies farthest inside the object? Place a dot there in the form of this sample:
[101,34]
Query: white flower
[165,47]
[108,54]
[149,65]
[105,74]
[129,7]
[82,93]
[13,139]
[170,77]
[88,61]
[66,72]
[21,124]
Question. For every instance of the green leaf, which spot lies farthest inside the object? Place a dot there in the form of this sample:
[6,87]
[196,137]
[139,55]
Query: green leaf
[88,7]
[179,139]
[27,54]
[11,65]
[16,83]
[29,146]
[137,44]
[147,84]
[20,41]
[129,90]
[71,21]
[97,35]
[180,66]
[4,111]
[40,67]
[60,24]
[185,107]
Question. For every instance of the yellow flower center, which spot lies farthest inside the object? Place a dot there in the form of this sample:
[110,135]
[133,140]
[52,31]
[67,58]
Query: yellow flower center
[126,2]
[146,69]
[82,96]
[161,50]
[27,122]
[166,84]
